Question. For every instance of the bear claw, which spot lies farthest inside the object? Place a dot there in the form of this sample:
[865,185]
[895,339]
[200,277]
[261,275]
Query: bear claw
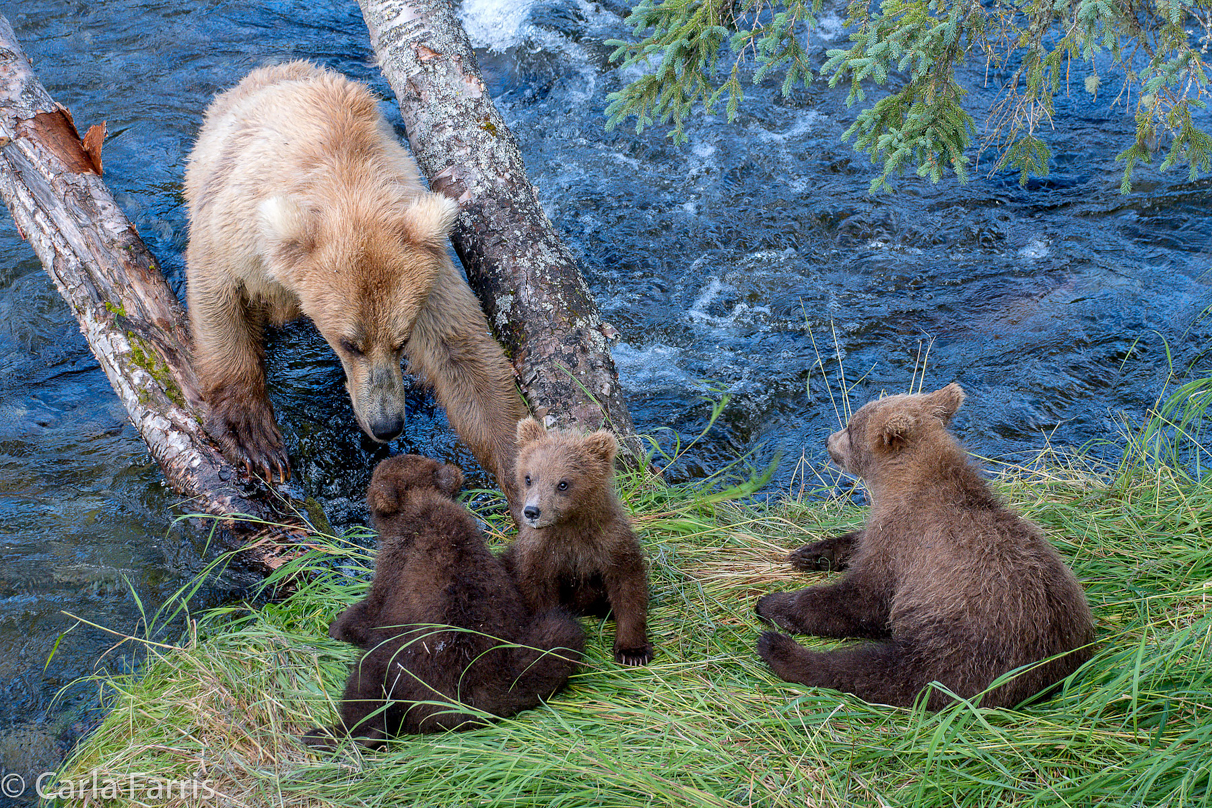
[249,437]
[633,657]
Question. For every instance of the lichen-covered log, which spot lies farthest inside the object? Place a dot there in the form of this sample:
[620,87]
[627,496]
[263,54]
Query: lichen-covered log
[50,180]
[528,282]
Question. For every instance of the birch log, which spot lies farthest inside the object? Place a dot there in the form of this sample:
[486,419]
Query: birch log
[537,303]
[50,180]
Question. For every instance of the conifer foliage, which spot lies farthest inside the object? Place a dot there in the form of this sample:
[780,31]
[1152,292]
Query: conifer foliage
[1150,55]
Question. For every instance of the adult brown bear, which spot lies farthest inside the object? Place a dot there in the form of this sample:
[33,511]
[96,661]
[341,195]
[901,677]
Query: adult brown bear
[302,202]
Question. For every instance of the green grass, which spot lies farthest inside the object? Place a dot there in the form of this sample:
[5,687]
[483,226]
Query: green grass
[707,724]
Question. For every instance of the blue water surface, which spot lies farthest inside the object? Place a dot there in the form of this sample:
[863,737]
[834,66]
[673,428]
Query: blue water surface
[751,262]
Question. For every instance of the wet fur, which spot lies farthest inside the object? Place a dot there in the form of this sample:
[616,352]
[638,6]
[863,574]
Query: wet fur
[575,547]
[951,585]
[443,621]
[302,203]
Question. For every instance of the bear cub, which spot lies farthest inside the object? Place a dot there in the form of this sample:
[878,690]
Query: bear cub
[951,585]
[444,627]
[575,546]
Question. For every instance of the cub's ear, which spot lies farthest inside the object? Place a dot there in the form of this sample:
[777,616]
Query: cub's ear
[602,445]
[287,228]
[448,479]
[945,402]
[897,429]
[427,221]
[383,495]
[530,430]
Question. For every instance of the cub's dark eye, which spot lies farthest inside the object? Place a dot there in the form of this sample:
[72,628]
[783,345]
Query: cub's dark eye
[349,347]
[563,486]
[527,480]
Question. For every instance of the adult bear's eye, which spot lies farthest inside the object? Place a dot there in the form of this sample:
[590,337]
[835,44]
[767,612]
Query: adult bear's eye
[527,480]
[349,347]
[563,486]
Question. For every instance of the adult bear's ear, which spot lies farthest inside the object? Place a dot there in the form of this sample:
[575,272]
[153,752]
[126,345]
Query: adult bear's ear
[288,230]
[427,221]
[897,429]
[530,430]
[602,445]
[448,479]
[945,402]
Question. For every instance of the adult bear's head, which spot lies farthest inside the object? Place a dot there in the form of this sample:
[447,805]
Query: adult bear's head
[363,268]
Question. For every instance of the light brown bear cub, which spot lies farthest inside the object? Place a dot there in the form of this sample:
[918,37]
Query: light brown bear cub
[575,545]
[303,203]
[953,586]
[443,625]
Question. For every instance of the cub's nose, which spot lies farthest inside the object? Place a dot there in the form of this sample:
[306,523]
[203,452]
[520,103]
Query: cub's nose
[387,429]
[531,512]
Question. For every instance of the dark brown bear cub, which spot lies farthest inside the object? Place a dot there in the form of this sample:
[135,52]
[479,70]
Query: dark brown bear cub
[952,586]
[575,546]
[444,626]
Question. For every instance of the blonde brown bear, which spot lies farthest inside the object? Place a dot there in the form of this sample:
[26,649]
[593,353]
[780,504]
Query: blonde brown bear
[951,585]
[302,203]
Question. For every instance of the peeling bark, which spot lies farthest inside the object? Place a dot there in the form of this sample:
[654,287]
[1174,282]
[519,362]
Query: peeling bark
[537,303]
[51,182]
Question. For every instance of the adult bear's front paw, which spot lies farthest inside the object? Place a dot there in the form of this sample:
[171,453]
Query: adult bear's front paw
[248,434]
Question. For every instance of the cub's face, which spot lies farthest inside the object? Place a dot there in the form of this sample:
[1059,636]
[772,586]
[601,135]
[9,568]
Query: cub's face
[884,428]
[363,277]
[560,475]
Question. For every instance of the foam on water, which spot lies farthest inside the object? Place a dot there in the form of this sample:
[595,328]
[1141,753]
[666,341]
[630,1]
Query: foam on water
[496,25]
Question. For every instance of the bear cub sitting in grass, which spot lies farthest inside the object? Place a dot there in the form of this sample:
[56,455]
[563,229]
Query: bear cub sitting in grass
[575,545]
[444,626]
[952,586]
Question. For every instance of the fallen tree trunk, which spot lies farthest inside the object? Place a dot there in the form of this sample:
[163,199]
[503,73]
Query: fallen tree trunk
[537,303]
[50,180]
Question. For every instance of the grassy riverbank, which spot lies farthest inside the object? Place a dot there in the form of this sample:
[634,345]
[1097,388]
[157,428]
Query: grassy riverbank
[707,724]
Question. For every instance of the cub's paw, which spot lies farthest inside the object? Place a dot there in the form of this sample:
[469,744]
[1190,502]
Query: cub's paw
[778,608]
[813,558]
[784,655]
[829,555]
[633,657]
[246,430]
[350,625]
[320,738]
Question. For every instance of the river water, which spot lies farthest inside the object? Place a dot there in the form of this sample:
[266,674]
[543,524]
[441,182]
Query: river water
[751,261]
